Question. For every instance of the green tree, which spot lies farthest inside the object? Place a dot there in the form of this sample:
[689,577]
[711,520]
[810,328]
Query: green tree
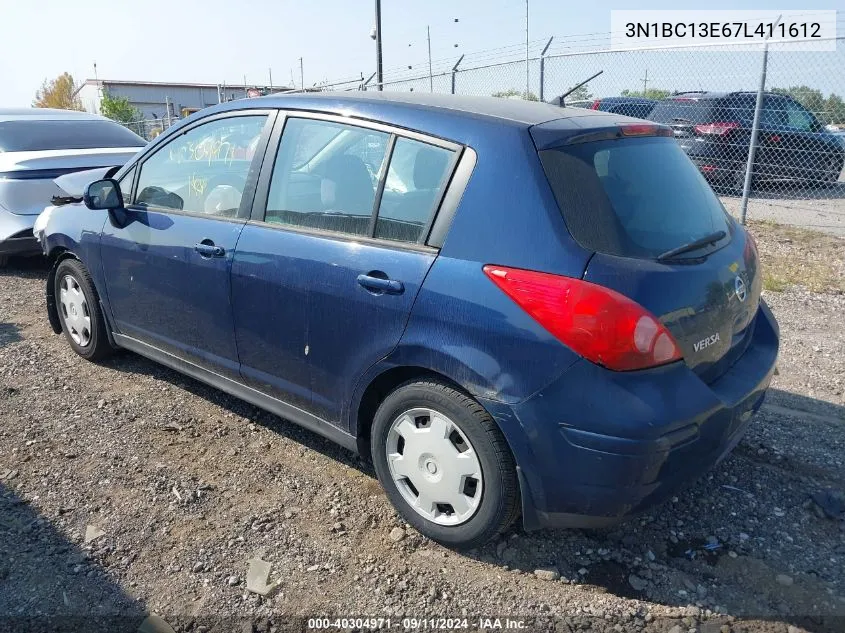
[835,109]
[58,93]
[582,93]
[119,109]
[514,93]
[650,93]
[827,110]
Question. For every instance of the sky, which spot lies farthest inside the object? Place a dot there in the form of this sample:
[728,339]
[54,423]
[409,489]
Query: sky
[217,41]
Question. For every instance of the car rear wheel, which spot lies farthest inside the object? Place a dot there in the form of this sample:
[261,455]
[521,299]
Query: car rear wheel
[79,311]
[444,464]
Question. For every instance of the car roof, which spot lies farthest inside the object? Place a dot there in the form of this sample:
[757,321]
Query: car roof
[706,95]
[46,114]
[625,99]
[380,105]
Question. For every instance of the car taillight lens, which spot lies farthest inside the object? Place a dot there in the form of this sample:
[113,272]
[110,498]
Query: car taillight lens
[716,129]
[596,104]
[600,324]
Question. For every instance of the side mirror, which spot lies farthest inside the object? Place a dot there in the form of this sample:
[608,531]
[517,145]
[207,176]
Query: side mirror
[103,194]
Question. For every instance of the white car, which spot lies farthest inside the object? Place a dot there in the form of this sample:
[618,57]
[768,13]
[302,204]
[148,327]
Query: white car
[38,145]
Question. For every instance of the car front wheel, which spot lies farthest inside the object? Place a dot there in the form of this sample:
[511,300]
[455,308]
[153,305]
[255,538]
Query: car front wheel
[79,311]
[444,464]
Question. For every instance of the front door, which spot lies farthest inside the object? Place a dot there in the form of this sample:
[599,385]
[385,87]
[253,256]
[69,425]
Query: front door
[167,256]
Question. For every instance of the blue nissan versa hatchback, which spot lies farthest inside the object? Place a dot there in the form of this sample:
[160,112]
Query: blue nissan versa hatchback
[510,306]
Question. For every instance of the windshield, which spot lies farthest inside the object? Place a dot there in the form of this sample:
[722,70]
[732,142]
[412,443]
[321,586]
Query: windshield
[633,197]
[38,135]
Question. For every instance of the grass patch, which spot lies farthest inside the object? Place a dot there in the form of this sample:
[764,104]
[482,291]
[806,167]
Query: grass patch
[793,256]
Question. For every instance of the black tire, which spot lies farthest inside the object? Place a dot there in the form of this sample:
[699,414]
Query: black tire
[500,502]
[94,346]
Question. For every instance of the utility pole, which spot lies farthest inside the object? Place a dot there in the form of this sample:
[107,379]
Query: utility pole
[430,79]
[301,75]
[379,73]
[645,83]
[527,72]
[246,92]
[271,79]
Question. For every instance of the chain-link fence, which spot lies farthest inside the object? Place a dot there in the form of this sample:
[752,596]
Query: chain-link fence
[780,111]
[150,128]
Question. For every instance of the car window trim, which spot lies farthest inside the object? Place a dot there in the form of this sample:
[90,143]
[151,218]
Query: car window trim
[346,237]
[252,175]
[452,196]
[258,213]
[386,160]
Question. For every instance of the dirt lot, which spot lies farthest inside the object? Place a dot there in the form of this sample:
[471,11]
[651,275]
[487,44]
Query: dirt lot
[187,485]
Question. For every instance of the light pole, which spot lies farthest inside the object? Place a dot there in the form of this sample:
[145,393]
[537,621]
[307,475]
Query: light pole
[377,38]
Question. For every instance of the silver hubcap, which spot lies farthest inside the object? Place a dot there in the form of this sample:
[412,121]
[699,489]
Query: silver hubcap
[434,466]
[77,318]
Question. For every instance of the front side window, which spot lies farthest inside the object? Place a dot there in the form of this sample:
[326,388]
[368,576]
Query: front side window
[326,176]
[125,183]
[204,170]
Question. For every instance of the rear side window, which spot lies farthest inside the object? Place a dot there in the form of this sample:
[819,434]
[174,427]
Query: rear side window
[632,197]
[39,135]
[413,186]
[328,176]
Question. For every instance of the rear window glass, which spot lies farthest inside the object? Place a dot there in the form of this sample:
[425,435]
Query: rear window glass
[38,135]
[632,197]
[684,111]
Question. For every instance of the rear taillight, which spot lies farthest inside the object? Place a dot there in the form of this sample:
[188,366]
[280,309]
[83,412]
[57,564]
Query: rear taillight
[600,324]
[716,129]
[596,104]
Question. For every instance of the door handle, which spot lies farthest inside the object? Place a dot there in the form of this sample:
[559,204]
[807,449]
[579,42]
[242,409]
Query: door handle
[207,248]
[381,285]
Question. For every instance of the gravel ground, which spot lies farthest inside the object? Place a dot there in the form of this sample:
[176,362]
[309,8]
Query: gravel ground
[127,489]
[812,208]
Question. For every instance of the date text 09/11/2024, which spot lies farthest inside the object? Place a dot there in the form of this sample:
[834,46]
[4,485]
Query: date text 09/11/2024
[417,624]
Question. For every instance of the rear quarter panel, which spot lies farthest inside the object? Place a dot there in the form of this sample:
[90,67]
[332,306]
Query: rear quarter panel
[462,326]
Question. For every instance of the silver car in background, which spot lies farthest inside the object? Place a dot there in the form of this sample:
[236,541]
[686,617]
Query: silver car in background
[38,145]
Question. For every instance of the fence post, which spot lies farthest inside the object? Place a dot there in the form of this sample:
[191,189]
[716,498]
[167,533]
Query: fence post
[364,84]
[455,71]
[543,68]
[755,128]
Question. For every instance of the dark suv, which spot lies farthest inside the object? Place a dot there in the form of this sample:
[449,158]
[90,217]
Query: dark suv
[714,129]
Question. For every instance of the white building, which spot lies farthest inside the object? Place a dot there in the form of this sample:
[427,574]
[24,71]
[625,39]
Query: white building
[153,98]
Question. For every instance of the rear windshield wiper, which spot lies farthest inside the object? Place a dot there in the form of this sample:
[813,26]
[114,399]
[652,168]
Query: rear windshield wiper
[692,246]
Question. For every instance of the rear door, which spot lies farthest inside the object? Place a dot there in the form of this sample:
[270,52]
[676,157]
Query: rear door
[640,198]
[167,256]
[338,247]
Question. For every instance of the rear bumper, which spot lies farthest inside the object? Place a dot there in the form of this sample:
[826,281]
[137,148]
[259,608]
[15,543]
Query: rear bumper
[597,446]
